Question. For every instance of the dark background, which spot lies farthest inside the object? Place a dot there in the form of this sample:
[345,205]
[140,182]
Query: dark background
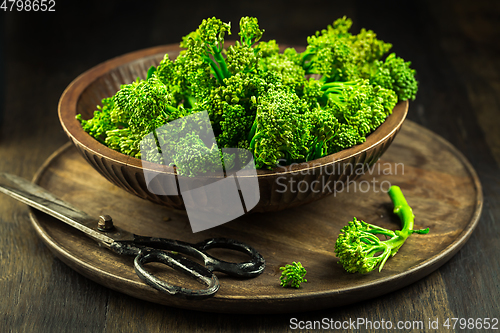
[453,45]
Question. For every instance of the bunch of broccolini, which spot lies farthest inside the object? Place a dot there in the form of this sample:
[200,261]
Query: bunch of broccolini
[284,107]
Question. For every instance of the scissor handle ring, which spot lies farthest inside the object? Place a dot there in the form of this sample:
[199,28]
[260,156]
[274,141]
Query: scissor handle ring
[248,269]
[178,263]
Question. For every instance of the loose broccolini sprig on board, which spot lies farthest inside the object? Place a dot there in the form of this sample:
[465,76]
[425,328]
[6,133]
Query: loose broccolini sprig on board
[292,275]
[358,246]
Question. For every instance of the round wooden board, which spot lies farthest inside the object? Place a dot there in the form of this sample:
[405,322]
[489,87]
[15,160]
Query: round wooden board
[438,182]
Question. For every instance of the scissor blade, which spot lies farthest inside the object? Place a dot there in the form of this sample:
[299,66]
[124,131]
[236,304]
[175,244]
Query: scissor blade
[39,198]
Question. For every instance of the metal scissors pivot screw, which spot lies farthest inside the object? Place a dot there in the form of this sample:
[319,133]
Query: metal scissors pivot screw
[105,223]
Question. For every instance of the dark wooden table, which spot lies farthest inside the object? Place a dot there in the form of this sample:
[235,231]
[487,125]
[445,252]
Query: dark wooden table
[454,45]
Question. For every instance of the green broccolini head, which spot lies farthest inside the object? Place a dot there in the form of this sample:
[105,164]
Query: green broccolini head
[212,32]
[339,55]
[359,107]
[340,27]
[312,94]
[346,98]
[395,74]
[165,71]
[125,141]
[231,107]
[367,48]
[101,122]
[236,121]
[347,136]
[385,97]
[291,74]
[192,76]
[143,105]
[323,124]
[282,132]
[323,128]
[269,48]
[292,275]
[357,248]
[250,33]
[333,59]
[370,108]
[329,54]
[150,106]
[207,43]
[242,59]
[193,158]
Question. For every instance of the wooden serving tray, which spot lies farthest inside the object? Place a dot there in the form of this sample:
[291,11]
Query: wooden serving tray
[438,182]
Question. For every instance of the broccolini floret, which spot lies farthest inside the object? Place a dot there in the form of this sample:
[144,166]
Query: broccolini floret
[292,275]
[101,122]
[281,129]
[360,250]
[208,39]
[192,157]
[395,74]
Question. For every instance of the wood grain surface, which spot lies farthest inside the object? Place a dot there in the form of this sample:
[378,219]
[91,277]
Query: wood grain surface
[437,181]
[453,45]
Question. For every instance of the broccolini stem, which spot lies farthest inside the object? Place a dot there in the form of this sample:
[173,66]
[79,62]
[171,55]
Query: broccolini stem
[318,149]
[190,101]
[402,209]
[380,231]
[252,130]
[305,56]
[405,214]
[336,85]
[257,135]
[216,70]
[170,109]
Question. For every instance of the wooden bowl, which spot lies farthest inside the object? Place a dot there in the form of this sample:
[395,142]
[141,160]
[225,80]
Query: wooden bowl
[312,180]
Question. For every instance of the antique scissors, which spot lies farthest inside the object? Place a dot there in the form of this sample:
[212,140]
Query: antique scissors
[145,249]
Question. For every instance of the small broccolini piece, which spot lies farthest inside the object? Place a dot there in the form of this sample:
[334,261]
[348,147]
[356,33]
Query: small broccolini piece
[357,246]
[292,275]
